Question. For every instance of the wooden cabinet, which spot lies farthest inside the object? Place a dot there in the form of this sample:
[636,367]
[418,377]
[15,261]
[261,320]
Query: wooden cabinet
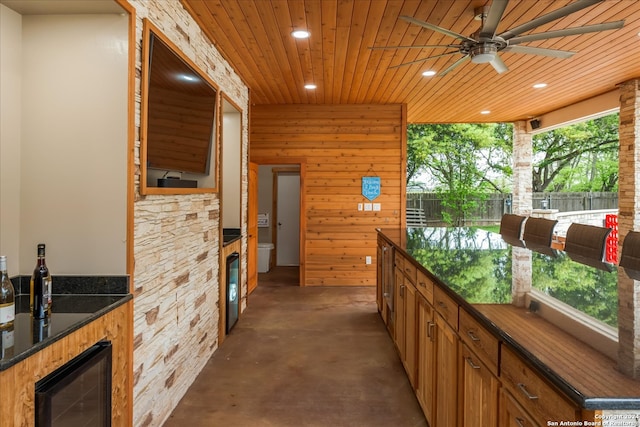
[405,323]
[446,389]
[426,362]
[538,398]
[512,414]
[398,311]
[479,391]
[409,357]
[384,279]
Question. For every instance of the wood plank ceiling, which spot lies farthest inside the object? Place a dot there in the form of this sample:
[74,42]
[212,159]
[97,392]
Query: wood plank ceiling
[255,37]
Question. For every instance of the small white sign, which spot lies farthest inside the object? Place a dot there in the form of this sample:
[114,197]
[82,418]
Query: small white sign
[368,207]
[376,207]
[263,219]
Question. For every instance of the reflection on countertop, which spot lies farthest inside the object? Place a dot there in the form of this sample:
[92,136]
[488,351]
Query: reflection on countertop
[496,282]
[77,300]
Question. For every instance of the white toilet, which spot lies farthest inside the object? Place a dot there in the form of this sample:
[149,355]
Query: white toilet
[264,257]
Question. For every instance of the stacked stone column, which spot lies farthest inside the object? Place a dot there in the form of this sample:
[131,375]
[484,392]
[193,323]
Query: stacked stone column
[628,220]
[522,205]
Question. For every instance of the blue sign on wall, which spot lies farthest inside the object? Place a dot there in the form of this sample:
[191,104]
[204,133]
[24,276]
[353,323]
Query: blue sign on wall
[370,187]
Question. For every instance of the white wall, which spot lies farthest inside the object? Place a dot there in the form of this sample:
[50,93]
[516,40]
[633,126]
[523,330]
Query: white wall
[231,169]
[70,122]
[10,108]
[74,142]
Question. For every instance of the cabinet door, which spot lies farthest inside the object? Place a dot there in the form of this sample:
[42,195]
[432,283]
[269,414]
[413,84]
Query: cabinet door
[479,405]
[446,374]
[409,359]
[426,358]
[380,280]
[398,303]
[512,414]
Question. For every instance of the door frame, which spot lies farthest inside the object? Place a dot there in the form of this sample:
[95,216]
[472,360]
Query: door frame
[301,162]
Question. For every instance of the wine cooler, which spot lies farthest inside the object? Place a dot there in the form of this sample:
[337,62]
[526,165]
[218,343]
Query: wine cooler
[78,393]
[233,290]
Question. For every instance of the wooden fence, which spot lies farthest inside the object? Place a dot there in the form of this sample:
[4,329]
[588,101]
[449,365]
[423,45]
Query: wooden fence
[428,206]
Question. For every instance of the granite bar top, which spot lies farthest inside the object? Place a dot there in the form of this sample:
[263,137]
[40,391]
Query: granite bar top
[475,267]
[77,301]
[230,235]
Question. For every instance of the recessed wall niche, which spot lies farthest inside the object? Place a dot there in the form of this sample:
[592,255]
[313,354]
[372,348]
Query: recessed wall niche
[179,120]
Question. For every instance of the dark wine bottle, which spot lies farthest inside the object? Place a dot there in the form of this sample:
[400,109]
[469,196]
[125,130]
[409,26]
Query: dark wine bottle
[40,293]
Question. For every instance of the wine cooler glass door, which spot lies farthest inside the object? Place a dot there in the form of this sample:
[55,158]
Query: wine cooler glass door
[233,290]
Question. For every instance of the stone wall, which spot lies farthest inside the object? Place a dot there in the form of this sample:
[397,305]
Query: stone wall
[628,220]
[522,169]
[176,246]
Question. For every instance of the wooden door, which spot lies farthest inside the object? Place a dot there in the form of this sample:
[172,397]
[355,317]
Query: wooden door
[410,332]
[426,358]
[512,414]
[479,405]
[252,229]
[446,374]
[398,304]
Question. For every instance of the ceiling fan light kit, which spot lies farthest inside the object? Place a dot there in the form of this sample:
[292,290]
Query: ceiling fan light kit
[485,45]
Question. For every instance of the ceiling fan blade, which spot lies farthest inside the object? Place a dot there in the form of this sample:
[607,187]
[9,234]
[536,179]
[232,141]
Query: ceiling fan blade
[567,32]
[552,16]
[498,65]
[539,51]
[454,65]
[435,28]
[493,18]
[423,59]
[426,46]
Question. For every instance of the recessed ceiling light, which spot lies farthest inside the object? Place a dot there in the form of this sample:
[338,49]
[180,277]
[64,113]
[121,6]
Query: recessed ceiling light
[485,112]
[539,85]
[301,34]
[310,86]
[429,73]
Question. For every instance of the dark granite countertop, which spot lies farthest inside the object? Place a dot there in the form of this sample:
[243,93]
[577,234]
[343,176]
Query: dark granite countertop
[77,301]
[475,267]
[230,235]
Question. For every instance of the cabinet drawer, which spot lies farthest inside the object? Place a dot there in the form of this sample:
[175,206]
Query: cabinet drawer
[410,271]
[446,306]
[483,342]
[539,398]
[424,285]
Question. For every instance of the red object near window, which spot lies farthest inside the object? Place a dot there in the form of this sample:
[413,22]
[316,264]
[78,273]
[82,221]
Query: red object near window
[611,245]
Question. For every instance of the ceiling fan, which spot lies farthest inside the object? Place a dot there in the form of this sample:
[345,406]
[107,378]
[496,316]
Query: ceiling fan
[484,45]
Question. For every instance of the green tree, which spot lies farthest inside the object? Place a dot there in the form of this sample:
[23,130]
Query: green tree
[466,162]
[580,157]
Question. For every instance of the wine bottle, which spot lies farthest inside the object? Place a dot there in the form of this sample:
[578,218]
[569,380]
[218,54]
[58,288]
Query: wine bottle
[6,343]
[7,297]
[40,293]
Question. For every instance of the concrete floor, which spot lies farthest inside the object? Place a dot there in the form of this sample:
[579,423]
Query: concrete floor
[309,356]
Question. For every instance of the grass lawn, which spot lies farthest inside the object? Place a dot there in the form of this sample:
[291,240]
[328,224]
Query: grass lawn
[493,228]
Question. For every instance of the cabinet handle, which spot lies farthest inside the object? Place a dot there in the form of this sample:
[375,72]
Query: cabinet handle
[430,326]
[424,285]
[470,362]
[520,422]
[473,336]
[402,291]
[524,391]
[442,305]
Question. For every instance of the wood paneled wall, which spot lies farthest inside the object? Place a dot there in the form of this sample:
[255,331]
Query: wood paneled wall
[338,144]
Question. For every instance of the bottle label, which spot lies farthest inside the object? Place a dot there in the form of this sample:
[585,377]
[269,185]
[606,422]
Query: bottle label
[7,313]
[7,339]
